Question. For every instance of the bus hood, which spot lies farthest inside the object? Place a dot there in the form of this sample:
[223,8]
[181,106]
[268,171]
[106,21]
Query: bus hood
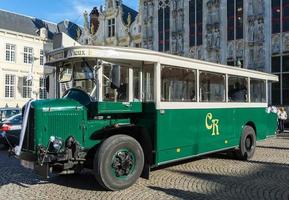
[55,104]
[58,111]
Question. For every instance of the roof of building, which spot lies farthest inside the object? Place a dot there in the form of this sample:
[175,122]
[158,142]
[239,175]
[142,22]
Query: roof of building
[126,11]
[31,25]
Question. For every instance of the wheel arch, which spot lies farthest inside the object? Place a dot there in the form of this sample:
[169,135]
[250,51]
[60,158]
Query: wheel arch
[138,133]
[252,124]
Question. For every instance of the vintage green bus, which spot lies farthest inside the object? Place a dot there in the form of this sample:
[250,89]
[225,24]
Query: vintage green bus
[124,111]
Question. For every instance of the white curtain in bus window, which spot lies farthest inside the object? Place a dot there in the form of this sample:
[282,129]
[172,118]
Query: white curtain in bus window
[148,83]
[178,84]
[238,89]
[212,87]
[258,91]
[136,84]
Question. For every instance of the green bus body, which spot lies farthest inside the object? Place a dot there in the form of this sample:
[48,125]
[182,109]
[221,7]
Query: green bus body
[122,137]
[175,134]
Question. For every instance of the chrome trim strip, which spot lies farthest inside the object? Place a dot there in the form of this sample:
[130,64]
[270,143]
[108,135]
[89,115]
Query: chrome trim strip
[24,126]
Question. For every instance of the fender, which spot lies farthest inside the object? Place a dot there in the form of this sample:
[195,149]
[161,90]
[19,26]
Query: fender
[138,133]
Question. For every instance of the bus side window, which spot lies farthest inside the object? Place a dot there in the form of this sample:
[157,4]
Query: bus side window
[178,84]
[258,90]
[148,83]
[136,84]
[238,89]
[212,87]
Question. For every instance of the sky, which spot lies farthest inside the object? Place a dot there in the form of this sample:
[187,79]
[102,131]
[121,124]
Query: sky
[56,10]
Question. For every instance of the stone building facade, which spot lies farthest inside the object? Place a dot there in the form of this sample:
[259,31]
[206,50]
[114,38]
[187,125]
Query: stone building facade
[234,32]
[114,24]
[24,41]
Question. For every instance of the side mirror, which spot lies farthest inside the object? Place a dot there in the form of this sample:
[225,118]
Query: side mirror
[115,77]
[47,83]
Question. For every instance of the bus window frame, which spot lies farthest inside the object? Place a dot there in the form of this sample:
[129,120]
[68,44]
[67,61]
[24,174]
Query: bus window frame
[198,102]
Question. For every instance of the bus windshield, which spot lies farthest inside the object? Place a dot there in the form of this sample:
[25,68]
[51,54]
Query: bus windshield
[77,75]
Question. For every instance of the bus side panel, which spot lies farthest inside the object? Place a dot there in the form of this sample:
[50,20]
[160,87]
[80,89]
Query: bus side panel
[177,134]
[185,133]
[259,117]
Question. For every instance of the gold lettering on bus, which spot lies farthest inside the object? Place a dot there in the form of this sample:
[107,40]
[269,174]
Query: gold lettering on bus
[212,124]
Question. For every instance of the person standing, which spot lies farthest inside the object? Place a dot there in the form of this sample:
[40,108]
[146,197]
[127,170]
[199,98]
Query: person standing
[282,117]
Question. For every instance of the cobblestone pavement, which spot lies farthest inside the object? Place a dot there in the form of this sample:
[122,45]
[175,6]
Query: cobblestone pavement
[266,176]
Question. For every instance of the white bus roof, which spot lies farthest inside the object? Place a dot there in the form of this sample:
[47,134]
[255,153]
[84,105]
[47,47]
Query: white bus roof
[134,55]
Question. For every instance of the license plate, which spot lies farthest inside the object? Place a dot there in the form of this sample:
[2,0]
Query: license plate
[27,164]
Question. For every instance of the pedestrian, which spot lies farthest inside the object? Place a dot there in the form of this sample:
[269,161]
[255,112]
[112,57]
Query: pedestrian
[282,117]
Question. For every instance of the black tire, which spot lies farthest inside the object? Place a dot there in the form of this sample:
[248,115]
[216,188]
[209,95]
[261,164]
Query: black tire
[247,144]
[118,162]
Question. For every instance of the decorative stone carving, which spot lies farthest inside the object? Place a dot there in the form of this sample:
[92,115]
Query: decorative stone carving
[230,53]
[251,58]
[217,39]
[260,57]
[286,42]
[260,7]
[260,31]
[199,53]
[240,49]
[192,52]
[174,44]
[276,44]
[180,44]
[210,40]
[251,31]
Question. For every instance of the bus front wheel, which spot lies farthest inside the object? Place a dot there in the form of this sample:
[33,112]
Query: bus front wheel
[247,143]
[118,162]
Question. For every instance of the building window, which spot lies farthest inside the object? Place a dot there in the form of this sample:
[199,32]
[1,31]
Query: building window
[276,11]
[285,89]
[276,93]
[235,19]
[26,88]
[10,52]
[42,88]
[285,15]
[199,22]
[239,19]
[28,55]
[164,25]
[285,67]
[41,57]
[111,27]
[192,15]
[276,64]
[9,86]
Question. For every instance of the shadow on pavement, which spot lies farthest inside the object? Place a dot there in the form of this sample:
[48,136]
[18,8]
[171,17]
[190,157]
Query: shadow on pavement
[267,179]
[13,173]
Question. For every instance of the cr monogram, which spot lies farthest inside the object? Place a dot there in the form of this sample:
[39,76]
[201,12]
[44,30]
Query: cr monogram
[212,124]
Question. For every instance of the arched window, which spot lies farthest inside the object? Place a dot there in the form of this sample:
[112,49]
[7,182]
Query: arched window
[196,22]
[164,25]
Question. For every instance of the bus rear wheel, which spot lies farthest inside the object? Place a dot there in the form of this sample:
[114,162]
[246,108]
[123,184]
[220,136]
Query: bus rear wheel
[247,144]
[118,162]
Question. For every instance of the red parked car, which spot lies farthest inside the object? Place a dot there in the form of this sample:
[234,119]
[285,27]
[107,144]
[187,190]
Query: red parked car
[10,130]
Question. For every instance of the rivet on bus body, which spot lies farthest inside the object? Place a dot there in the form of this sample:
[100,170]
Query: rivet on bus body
[162,112]
[178,150]
[226,141]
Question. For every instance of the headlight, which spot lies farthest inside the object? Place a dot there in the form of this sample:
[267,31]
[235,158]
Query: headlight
[56,143]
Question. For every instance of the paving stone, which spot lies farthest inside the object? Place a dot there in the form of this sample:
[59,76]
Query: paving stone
[216,176]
